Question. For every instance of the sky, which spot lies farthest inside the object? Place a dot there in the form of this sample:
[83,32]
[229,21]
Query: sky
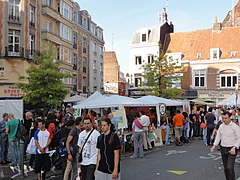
[121,18]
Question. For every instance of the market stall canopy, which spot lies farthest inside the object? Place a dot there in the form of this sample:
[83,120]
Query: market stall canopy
[203,101]
[94,97]
[113,101]
[230,101]
[75,98]
[158,100]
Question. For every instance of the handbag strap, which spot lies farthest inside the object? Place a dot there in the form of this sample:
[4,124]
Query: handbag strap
[86,139]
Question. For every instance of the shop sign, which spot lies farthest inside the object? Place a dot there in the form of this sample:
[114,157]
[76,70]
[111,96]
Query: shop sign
[216,95]
[12,91]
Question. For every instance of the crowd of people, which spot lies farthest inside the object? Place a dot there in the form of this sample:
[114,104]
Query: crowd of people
[92,140]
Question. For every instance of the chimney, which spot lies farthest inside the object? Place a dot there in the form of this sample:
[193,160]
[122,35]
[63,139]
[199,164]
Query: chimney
[217,26]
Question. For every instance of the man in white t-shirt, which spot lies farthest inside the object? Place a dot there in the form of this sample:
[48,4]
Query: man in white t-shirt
[145,121]
[42,139]
[89,150]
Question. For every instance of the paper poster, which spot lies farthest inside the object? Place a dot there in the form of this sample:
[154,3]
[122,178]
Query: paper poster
[120,116]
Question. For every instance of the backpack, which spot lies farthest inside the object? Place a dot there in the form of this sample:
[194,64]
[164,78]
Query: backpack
[21,131]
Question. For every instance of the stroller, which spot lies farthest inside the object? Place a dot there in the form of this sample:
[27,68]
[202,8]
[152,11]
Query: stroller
[59,158]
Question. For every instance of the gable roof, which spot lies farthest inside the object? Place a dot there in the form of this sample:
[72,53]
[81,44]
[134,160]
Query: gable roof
[201,41]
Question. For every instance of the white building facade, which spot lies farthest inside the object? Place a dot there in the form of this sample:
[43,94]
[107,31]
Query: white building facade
[142,51]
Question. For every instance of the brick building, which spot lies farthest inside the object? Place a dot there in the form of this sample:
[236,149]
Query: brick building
[20,38]
[111,73]
[211,59]
[25,26]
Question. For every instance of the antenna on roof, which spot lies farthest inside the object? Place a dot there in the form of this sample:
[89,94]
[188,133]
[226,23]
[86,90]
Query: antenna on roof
[166,4]
[112,41]
[233,14]
[159,18]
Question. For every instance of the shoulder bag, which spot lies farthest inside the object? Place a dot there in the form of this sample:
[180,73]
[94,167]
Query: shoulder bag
[80,154]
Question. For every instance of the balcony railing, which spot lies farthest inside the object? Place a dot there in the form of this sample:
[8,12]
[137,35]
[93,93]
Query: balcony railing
[74,66]
[14,53]
[31,24]
[74,87]
[14,18]
[84,50]
[75,45]
[84,89]
[31,53]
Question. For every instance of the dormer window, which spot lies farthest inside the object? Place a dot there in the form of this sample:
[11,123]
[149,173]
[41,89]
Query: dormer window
[144,37]
[215,53]
[233,53]
[199,55]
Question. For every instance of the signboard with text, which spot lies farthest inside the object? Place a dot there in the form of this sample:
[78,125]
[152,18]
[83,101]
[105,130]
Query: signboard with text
[11,91]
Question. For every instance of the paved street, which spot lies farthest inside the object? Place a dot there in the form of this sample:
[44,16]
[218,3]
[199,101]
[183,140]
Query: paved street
[192,161]
[187,162]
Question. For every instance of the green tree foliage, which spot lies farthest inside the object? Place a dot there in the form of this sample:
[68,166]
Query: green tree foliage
[171,93]
[45,86]
[159,76]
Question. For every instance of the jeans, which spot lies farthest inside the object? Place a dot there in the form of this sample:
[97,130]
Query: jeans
[14,145]
[138,144]
[185,135]
[205,135]
[209,133]
[167,128]
[228,163]
[87,171]
[192,130]
[3,147]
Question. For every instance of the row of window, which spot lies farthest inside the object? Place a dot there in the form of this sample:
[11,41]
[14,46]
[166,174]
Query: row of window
[226,80]
[67,34]
[139,61]
[67,12]
[64,53]
[215,53]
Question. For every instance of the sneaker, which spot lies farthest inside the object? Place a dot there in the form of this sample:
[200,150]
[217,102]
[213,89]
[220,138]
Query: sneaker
[30,168]
[132,157]
[17,168]
[12,168]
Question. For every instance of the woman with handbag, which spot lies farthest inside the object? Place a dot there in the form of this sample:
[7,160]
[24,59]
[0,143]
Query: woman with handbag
[137,136]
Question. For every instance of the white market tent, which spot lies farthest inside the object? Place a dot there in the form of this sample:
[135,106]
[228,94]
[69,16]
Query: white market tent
[112,101]
[14,106]
[230,101]
[155,99]
[75,98]
[115,101]
[94,97]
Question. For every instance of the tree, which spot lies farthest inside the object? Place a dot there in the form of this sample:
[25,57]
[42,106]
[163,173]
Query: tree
[45,86]
[161,74]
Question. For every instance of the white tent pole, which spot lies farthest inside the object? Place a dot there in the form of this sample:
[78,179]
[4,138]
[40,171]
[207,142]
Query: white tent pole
[158,115]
